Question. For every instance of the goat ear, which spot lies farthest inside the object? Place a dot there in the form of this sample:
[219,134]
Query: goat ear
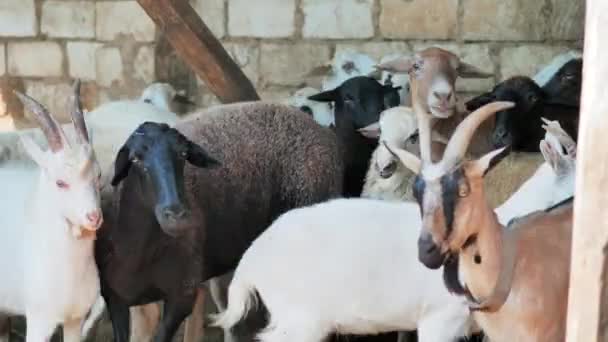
[398,66]
[371,131]
[121,165]
[33,150]
[466,70]
[325,96]
[479,101]
[197,156]
[484,164]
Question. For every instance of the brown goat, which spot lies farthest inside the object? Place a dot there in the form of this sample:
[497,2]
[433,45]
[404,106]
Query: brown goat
[521,274]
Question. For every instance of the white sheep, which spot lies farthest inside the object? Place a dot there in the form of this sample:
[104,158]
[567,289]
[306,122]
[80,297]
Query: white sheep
[48,227]
[357,271]
[347,64]
[322,112]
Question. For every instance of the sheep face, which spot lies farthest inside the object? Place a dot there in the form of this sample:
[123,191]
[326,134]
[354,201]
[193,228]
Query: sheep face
[363,98]
[70,175]
[433,74]
[156,155]
[565,85]
[515,126]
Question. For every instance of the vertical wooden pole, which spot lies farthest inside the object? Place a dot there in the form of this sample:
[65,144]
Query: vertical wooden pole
[194,42]
[588,296]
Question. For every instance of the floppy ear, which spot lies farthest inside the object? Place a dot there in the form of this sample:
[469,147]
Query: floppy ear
[398,66]
[325,96]
[479,101]
[466,70]
[371,131]
[122,164]
[484,164]
[33,150]
[197,156]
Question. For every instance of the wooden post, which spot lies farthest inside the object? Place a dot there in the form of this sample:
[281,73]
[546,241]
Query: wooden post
[194,42]
[588,296]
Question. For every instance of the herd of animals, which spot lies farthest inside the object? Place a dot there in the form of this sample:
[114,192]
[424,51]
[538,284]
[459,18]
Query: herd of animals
[324,217]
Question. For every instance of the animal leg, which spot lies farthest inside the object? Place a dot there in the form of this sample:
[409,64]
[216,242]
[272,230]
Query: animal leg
[195,329]
[71,330]
[218,288]
[119,314]
[5,328]
[407,336]
[174,313]
[435,329]
[144,321]
[39,328]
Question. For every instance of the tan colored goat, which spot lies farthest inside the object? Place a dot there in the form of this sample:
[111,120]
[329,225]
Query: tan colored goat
[517,278]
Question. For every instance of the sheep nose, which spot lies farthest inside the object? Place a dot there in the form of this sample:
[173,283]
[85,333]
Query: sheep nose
[174,212]
[94,218]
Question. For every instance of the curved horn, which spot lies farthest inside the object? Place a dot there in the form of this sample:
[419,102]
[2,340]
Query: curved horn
[51,129]
[82,135]
[458,144]
[554,128]
[406,158]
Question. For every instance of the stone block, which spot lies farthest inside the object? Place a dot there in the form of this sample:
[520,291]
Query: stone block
[246,56]
[376,50]
[264,19]
[82,59]
[123,18]
[567,19]
[24,59]
[54,96]
[212,13]
[337,18]
[18,18]
[108,66]
[526,60]
[2,59]
[288,64]
[68,19]
[143,64]
[419,19]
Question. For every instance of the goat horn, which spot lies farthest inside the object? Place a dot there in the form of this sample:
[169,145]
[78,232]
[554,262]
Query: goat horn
[51,129]
[458,144]
[407,159]
[554,128]
[501,290]
[77,116]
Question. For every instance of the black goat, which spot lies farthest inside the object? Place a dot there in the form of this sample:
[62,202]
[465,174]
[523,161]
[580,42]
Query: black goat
[180,216]
[521,126]
[565,86]
[358,102]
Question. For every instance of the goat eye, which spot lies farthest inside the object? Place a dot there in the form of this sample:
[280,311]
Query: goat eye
[62,185]
[532,98]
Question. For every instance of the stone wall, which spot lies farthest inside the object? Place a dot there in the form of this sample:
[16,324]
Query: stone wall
[115,48]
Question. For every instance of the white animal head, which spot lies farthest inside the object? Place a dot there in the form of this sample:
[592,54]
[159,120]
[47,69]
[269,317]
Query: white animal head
[347,64]
[70,174]
[322,112]
[395,127]
[397,80]
[163,96]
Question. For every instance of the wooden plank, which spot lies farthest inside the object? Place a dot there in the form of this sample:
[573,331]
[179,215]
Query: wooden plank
[588,296]
[194,42]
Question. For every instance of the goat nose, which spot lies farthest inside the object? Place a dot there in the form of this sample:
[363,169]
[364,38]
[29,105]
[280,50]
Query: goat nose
[94,217]
[443,96]
[175,212]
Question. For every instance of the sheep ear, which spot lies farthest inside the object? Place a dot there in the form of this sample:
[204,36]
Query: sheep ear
[466,70]
[371,131]
[33,150]
[122,164]
[325,96]
[400,65]
[484,164]
[197,156]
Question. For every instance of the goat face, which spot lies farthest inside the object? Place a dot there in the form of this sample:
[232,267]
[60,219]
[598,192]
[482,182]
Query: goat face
[156,154]
[433,72]
[362,98]
[565,86]
[519,125]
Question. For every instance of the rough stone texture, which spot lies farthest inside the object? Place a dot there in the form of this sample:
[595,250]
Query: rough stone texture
[2,60]
[504,20]
[526,60]
[17,18]
[144,64]
[337,18]
[24,59]
[247,56]
[264,19]
[376,50]
[476,54]
[68,19]
[116,18]
[275,94]
[418,19]
[108,66]
[82,59]
[212,13]
[287,64]
[55,96]
[567,19]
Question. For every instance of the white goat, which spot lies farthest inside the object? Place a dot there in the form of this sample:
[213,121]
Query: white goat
[544,75]
[48,223]
[322,112]
[387,290]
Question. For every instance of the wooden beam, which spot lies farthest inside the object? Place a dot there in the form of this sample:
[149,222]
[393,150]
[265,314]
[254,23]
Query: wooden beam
[588,296]
[194,42]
